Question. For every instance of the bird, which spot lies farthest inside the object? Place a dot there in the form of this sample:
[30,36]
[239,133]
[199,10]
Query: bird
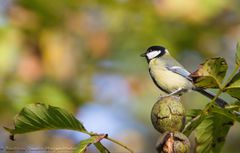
[170,76]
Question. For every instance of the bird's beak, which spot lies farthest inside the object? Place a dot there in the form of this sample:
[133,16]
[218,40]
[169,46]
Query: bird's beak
[143,55]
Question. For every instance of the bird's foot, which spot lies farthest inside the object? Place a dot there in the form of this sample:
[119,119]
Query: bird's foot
[176,93]
[168,95]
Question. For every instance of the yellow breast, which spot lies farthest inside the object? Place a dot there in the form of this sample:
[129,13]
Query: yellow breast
[166,79]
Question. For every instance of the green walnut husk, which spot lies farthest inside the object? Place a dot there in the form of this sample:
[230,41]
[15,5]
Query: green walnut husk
[173,142]
[168,114]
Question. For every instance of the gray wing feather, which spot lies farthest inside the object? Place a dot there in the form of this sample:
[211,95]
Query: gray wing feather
[181,71]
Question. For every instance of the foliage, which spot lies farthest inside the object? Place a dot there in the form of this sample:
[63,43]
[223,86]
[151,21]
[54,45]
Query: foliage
[194,118]
[233,87]
[238,54]
[211,132]
[212,124]
[82,147]
[211,73]
[35,117]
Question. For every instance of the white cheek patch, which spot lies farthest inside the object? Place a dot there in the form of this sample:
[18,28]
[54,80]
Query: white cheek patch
[153,54]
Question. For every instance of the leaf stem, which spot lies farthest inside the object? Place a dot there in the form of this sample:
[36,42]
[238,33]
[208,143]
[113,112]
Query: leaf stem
[230,77]
[112,140]
[119,143]
[217,95]
[224,85]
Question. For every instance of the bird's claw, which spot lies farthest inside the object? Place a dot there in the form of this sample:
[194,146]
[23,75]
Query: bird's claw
[165,96]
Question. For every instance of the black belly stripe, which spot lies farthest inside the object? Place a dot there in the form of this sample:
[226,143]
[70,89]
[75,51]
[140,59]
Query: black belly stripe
[155,82]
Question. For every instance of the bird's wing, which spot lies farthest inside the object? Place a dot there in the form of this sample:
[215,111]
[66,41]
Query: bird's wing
[181,71]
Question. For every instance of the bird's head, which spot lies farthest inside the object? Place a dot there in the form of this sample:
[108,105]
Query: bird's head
[154,52]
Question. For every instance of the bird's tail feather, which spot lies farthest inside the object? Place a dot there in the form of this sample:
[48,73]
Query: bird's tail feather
[210,95]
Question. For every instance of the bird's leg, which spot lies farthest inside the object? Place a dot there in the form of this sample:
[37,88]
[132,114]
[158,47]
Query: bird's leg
[177,92]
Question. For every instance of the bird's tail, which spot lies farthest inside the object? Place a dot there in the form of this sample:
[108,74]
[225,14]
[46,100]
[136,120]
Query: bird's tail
[210,95]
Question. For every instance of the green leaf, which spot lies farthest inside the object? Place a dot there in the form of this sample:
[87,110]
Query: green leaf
[194,118]
[192,124]
[192,113]
[233,88]
[35,117]
[238,54]
[101,148]
[229,113]
[211,133]
[235,106]
[211,73]
[82,147]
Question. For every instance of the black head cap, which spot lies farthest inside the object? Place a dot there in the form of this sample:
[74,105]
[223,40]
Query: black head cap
[155,48]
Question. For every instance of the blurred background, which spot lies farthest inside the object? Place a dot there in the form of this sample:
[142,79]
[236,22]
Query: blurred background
[83,56]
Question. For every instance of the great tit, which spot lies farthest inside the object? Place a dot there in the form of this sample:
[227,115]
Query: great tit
[170,76]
